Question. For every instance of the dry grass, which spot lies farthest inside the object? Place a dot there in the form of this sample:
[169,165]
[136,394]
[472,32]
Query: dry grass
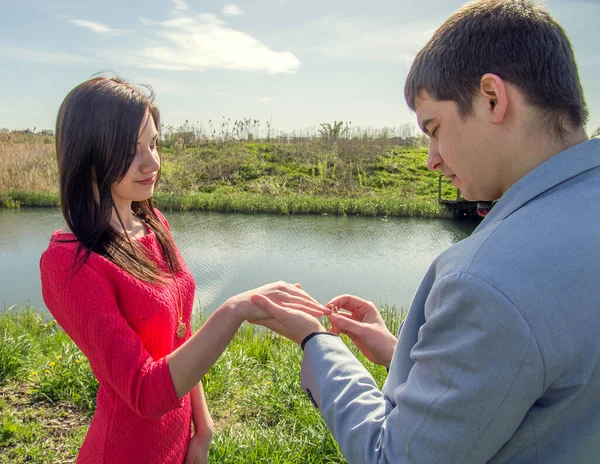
[28,166]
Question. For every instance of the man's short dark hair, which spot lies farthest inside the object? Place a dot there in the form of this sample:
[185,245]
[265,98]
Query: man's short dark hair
[515,39]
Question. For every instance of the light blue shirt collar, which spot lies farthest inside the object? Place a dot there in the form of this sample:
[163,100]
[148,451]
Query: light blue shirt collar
[559,168]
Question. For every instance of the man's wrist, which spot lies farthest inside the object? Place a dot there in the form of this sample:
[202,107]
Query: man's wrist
[312,335]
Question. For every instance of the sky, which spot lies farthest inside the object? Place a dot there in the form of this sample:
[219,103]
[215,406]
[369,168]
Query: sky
[292,63]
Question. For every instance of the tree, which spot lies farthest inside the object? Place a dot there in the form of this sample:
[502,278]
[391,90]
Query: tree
[596,133]
[332,132]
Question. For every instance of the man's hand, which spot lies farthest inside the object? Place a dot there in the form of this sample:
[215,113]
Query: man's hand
[365,327]
[289,318]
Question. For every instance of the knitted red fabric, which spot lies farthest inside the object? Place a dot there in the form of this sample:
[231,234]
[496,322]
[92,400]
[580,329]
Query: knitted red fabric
[126,328]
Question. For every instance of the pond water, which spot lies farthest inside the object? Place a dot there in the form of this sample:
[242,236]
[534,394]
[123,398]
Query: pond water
[382,260]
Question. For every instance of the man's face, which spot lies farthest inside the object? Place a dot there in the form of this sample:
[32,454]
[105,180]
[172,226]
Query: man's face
[462,149]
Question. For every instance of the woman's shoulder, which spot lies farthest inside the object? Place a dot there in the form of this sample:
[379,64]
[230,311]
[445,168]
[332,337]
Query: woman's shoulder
[61,252]
[64,254]
[161,217]
[62,244]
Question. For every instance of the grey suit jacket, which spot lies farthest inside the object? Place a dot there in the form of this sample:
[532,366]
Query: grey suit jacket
[498,358]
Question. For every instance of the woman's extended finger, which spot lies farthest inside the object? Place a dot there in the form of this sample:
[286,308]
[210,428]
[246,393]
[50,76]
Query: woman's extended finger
[304,308]
[297,299]
[296,290]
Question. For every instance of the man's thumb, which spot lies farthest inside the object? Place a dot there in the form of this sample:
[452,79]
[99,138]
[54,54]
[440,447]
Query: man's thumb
[345,324]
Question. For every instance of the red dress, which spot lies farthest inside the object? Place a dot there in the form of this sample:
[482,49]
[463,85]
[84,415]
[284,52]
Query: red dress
[126,328]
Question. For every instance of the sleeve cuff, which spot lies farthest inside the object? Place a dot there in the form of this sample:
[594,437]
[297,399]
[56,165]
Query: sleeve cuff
[314,334]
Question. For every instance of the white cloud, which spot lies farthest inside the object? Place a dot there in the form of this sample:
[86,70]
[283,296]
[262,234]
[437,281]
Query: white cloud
[266,99]
[205,42]
[232,10]
[372,40]
[165,86]
[180,5]
[98,28]
[42,56]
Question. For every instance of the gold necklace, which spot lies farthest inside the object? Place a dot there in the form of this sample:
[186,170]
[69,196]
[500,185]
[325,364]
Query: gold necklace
[181,329]
[181,326]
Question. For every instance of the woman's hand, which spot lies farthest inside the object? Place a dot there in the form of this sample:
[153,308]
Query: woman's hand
[365,327]
[203,428]
[280,293]
[192,360]
[197,452]
[291,319]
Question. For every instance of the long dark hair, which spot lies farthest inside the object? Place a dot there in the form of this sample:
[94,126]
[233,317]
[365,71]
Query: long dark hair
[96,138]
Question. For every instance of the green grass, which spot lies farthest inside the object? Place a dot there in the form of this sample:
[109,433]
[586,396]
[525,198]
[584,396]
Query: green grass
[48,391]
[18,198]
[242,202]
[40,353]
[298,204]
[367,176]
[36,431]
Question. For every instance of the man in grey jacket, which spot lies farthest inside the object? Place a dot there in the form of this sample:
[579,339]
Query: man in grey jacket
[498,359]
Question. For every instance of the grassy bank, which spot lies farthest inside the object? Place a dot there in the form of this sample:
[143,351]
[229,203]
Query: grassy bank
[366,175]
[240,202]
[47,397]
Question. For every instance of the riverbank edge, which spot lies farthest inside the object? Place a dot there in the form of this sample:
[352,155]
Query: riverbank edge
[242,202]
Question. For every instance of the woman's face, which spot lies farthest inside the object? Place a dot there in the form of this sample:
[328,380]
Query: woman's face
[138,183]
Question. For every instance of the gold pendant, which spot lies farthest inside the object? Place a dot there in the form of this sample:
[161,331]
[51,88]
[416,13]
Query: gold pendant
[181,329]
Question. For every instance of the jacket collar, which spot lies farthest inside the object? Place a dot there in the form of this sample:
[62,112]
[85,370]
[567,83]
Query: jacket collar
[559,168]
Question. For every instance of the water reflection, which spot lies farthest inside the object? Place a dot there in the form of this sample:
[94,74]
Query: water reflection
[381,260]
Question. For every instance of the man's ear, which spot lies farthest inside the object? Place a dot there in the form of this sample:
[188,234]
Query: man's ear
[495,95]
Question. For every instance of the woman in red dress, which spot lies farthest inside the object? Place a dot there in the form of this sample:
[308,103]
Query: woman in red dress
[114,280]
